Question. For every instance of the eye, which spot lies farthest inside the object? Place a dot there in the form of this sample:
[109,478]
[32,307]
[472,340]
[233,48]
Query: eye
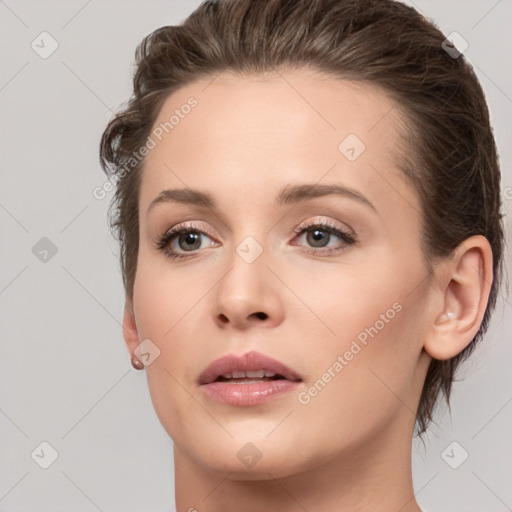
[319,234]
[187,238]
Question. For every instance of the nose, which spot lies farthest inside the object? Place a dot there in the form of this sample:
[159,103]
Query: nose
[248,295]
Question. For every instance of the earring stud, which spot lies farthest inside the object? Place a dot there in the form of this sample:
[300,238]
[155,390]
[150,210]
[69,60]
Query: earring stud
[137,363]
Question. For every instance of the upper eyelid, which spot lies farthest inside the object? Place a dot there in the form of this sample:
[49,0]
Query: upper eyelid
[327,224]
[308,207]
[192,225]
[300,229]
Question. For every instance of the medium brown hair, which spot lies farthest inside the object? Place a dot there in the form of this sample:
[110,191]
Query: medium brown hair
[452,159]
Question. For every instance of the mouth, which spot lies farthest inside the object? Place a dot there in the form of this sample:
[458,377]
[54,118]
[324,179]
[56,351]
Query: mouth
[241,377]
[247,380]
[249,367]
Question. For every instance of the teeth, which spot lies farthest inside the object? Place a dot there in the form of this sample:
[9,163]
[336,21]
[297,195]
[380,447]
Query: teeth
[255,374]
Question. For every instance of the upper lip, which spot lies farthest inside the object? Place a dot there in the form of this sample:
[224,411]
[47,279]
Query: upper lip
[250,361]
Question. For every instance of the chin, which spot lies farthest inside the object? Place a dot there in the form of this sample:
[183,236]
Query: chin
[247,457]
[267,468]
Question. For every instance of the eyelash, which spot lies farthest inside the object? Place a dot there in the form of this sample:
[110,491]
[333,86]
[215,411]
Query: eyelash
[163,241]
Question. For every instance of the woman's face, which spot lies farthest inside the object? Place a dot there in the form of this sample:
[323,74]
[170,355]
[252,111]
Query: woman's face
[341,305]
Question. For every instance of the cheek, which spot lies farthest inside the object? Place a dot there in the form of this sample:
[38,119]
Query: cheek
[365,381]
[362,374]
[163,298]
[156,310]
[170,312]
[366,314]
[363,300]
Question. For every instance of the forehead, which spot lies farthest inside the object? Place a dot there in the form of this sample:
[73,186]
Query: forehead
[252,131]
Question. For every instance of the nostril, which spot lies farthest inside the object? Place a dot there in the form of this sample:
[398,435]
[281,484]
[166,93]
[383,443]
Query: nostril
[262,316]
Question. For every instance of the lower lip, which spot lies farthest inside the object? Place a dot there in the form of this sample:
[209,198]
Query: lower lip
[248,394]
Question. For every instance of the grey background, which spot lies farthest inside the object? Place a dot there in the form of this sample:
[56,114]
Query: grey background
[65,376]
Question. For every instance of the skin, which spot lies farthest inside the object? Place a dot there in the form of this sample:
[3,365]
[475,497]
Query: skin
[349,448]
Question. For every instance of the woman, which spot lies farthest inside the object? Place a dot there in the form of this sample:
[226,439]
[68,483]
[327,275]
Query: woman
[311,242]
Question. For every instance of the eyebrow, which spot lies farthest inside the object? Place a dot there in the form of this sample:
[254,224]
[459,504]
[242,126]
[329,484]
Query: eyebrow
[291,194]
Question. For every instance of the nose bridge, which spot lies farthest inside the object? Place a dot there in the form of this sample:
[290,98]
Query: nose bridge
[248,275]
[247,292]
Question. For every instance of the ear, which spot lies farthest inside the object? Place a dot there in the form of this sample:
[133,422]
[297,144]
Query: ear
[130,333]
[464,288]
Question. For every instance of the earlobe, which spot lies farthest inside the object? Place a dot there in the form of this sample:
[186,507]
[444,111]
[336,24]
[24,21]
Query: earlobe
[130,332]
[465,285]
